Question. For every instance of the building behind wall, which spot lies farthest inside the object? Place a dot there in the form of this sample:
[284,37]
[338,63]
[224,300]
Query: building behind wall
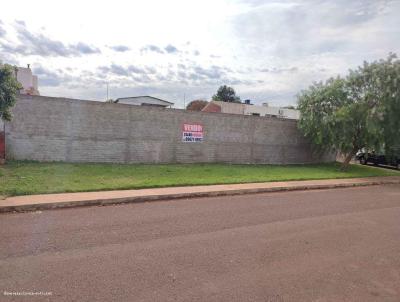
[28,80]
[144,100]
[248,109]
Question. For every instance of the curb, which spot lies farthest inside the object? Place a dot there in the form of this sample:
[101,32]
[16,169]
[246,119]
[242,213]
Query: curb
[159,197]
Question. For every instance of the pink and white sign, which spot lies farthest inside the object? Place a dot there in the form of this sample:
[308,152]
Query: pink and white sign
[192,133]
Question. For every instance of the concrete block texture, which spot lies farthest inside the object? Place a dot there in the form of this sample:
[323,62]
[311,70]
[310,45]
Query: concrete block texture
[59,129]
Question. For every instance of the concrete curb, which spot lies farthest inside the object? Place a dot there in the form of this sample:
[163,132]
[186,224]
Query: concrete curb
[212,193]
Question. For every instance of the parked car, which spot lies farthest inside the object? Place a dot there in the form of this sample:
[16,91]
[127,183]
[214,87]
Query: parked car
[378,159]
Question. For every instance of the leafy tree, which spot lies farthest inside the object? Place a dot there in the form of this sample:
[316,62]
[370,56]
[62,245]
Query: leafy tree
[196,105]
[9,88]
[226,94]
[359,111]
[389,73]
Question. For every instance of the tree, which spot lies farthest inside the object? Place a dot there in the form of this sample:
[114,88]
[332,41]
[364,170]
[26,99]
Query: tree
[355,112]
[226,94]
[196,105]
[9,88]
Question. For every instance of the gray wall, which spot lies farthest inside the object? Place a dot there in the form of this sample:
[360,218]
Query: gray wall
[57,129]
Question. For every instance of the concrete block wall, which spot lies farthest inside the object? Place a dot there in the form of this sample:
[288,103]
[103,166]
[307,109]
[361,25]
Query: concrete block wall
[58,129]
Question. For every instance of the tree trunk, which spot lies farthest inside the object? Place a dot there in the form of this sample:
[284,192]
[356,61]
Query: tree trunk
[2,144]
[348,158]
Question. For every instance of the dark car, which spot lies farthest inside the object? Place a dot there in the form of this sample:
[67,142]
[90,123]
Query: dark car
[378,159]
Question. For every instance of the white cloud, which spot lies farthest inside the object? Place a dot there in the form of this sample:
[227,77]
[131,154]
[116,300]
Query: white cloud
[267,50]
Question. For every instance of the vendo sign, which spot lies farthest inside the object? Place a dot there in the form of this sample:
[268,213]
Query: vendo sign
[192,133]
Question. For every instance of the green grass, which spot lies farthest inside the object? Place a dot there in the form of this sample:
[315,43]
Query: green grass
[23,178]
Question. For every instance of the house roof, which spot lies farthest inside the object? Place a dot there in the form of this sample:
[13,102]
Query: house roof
[143,96]
[211,107]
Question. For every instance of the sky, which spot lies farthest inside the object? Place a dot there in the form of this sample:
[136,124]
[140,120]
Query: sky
[268,51]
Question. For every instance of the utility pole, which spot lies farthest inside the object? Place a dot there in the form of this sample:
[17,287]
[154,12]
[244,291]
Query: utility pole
[107,93]
[184,101]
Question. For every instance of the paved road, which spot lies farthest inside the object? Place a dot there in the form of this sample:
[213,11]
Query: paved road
[327,245]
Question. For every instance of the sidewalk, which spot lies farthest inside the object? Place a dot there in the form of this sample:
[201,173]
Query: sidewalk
[63,200]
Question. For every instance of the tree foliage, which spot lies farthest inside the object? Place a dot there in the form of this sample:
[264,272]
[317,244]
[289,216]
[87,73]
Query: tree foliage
[361,110]
[226,94]
[196,105]
[9,88]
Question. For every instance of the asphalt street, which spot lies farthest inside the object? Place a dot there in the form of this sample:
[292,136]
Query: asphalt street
[322,245]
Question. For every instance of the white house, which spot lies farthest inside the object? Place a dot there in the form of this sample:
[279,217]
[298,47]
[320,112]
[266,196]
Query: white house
[144,100]
[248,109]
[28,80]
[266,110]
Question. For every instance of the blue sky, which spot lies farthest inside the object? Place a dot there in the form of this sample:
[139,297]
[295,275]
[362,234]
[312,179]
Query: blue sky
[267,50]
